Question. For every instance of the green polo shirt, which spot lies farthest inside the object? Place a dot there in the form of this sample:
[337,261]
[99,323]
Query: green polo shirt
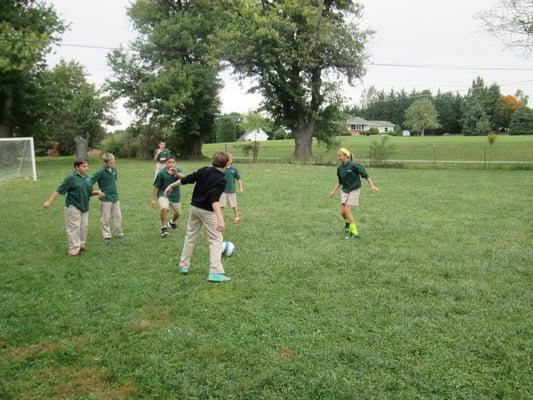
[78,190]
[162,157]
[350,174]
[162,180]
[231,174]
[107,182]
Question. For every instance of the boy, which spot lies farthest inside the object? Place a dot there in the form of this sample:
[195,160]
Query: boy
[165,177]
[161,155]
[231,174]
[206,212]
[78,189]
[349,178]
[110,205]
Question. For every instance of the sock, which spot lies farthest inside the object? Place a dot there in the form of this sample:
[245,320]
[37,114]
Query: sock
[353,229]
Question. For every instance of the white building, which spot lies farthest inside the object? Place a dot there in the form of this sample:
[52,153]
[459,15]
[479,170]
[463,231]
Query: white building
[257,135]
[356,125]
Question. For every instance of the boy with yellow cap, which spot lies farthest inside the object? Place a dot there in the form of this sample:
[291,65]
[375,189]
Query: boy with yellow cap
[349,175]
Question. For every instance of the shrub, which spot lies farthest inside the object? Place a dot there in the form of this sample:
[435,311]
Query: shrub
[371,131]
[381,151]
[250,147]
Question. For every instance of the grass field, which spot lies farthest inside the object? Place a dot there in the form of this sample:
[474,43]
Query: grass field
[438,148]
[433,303]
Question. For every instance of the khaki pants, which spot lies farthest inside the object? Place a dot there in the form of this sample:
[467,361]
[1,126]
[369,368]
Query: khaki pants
[76,224]
[198,218]
[108,210]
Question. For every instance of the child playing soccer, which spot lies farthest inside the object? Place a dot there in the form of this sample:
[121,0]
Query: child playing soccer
[349,175]
[231,174]
[78,189]
[206,212]
[110,205]
[165,177]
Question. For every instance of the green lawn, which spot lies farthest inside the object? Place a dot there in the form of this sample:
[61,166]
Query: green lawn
[439,148]
[433,303]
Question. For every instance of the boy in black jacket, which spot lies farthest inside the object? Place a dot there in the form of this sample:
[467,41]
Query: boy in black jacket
[206,211]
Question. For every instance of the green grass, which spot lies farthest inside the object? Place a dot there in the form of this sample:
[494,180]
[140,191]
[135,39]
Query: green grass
[440,148]
[433,303]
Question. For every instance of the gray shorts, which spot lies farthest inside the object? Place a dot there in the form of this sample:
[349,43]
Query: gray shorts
[165,203]
[351,198]
[228,197]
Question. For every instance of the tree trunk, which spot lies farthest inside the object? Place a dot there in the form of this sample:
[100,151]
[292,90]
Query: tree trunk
[6,104]
[303,140]
[422,132]
[82,148]
[193,146]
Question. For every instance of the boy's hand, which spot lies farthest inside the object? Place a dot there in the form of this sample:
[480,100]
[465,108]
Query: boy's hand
[99,193]
[331,194]
[46,204]
[168,190]
[374,188]
[152,203]
[220,226]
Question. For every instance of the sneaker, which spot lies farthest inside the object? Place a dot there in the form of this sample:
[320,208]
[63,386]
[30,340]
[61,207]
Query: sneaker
[353,236]
[164,231]
[218,278]
[83,248]
[75,254]
[107,240]
[173,225]
[184,270]
[346,227]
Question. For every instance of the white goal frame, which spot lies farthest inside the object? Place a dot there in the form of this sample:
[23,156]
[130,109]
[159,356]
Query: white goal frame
[18,172]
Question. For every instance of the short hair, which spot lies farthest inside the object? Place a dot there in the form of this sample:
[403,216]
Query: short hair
[220,159]
[108,157]
[77,163]
[170,158]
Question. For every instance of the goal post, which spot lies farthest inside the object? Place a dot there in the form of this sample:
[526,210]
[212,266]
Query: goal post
[17,158]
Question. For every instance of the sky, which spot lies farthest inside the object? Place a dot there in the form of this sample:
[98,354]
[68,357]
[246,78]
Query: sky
[420,44]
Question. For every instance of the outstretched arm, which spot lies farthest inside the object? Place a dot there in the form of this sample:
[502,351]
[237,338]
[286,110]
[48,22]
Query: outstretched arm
[334,190]
[172,186]
[51,199]
[371,185]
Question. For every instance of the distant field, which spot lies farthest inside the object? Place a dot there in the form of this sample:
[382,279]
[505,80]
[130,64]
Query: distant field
[433,303]
[440,148]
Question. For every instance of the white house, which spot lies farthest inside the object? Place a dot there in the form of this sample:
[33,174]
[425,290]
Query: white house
[257,135]
[356,125]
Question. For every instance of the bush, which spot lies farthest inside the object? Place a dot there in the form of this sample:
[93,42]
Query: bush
[371,131]
[250,147]
[121,145]
[522,122]
[381,151]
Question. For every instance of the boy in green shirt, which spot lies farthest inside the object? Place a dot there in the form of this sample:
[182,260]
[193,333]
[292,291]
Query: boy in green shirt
[231,174]
[78,189]
[349,175]
[164,178]
[161,156]
[110,205]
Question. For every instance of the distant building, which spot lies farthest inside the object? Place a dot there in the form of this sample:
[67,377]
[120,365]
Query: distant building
[257,135]
[356,125]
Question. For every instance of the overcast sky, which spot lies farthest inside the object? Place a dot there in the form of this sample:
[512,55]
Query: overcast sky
[441,36]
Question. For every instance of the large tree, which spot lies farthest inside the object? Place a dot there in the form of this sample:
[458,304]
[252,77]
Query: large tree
[422,115]
[511,21]
[169,76]
[296,50]
[27,30]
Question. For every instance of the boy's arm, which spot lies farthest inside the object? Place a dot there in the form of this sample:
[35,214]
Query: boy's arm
[334,190]
[51,199]
[154,197]
[240,185]
[220,216]
[172,186]
[371,185]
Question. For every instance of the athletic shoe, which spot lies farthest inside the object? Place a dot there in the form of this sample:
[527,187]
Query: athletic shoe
[164,231]
[75,254]
[218,278]
[346,227]
[173,225]
[83,248]
[352,236]
[184,270]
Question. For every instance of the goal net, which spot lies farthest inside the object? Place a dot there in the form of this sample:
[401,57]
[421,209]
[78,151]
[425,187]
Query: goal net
[17,158]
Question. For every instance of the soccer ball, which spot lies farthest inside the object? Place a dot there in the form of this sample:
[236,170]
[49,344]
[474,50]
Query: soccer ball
[227,249]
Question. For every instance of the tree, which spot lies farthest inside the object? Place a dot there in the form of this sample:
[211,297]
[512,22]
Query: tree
[522,122]
[511,21]
[481,102]
[27,30]
[422,115]
[169,76]
[228,128]
[449,107]
[292,47]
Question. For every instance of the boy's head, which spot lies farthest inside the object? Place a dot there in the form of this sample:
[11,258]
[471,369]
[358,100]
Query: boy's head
[220,159]
[343,155]
[81,166]
[162,145]
[230,159]
[109,160]
[170,164]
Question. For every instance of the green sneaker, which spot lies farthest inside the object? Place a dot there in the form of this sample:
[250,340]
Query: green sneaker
[184,270]
[352,236]
[218,278]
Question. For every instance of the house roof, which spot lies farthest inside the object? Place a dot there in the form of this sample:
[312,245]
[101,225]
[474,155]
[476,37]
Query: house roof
[357,121]
[362,121]
[381,123]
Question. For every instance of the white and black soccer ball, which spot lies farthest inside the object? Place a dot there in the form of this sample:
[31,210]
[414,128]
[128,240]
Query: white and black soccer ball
[228,248]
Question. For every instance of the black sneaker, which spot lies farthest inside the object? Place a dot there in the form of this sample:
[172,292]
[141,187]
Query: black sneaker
[173,225]
[164,231]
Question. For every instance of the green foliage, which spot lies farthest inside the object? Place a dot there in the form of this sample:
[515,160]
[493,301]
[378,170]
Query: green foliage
[481,104]
[491,137]
[522,122]
[371,132]
[381,151]
[422,115]
[179,91]
[288,47]
[409,312]
[250,147]
[228,128]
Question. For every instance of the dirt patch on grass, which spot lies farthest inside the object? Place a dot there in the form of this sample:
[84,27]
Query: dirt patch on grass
[46,347]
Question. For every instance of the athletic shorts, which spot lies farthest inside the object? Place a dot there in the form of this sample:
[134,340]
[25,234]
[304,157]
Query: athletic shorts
[350,199]
[164,203]
[228,197]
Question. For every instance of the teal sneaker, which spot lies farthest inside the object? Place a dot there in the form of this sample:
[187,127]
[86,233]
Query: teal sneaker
[184,270]
[218,278]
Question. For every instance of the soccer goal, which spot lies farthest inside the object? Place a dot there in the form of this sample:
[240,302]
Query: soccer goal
[17,158]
